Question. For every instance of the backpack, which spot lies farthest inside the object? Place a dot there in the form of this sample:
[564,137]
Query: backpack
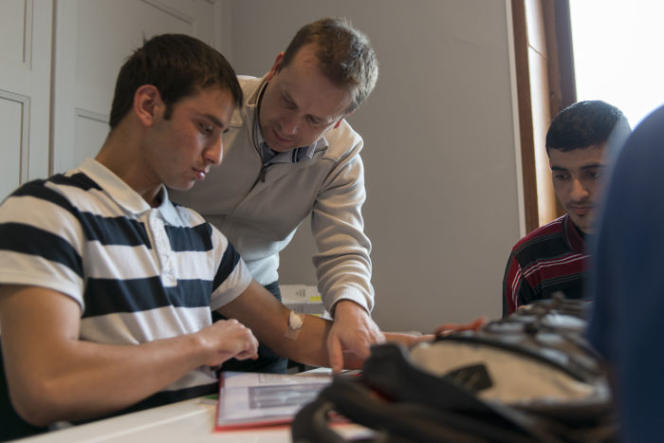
[530,377]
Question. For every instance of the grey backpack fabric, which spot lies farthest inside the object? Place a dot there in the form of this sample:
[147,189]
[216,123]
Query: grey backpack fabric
[530,377]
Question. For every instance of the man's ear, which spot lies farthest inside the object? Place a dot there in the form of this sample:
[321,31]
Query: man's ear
[275,67]
[148,104]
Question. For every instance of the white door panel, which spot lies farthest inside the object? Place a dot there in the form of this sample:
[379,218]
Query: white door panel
[91,131]
[25,57]
[11,116]
[12,32]
[94,38]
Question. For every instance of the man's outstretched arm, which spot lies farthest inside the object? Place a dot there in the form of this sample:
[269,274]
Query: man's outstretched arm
[308,340]
[298,337]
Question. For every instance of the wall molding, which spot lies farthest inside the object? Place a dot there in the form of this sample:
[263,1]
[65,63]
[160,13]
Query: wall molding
[180,15]
[92,115]
[28,21]
[24,102]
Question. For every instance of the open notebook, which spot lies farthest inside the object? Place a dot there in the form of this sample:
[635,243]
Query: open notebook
[250,399]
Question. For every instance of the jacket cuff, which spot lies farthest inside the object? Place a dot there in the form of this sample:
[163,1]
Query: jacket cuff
[360,299]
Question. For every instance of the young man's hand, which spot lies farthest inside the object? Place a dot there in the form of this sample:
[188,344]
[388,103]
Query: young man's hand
[227,339]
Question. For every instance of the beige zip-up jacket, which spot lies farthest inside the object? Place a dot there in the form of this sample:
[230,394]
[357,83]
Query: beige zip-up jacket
[259,213]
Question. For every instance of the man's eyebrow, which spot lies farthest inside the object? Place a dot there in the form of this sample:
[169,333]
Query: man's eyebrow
[214,120]
[558,168]
[290,100]
[287,97]
[593,165]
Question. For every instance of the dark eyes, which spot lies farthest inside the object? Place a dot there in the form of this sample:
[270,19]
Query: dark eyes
[589,174]
[206,128]
[288,103]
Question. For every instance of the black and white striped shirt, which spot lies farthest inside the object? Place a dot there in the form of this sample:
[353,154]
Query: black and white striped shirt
[138,273]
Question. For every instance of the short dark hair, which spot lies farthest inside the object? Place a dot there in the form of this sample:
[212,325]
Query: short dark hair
[583,124]
[178,66]
[345,55]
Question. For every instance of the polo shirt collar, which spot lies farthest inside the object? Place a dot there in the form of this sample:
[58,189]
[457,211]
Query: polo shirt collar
[123,194]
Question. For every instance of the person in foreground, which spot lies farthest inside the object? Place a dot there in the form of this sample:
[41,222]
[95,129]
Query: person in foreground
[553,258]
[627,282]
[289,153]
[107,287]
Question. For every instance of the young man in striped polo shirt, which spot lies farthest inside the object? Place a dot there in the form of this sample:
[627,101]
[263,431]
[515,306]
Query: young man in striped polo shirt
[107,288]
[553,257]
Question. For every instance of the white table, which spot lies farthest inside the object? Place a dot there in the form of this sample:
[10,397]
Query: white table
[189,420]
[186,421]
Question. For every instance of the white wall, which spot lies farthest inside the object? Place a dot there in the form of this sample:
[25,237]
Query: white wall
[440,155]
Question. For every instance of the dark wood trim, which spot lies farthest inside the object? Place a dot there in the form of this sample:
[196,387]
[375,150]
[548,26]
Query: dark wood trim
[560,59]
[565,53]
[553,60]
[525,115]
